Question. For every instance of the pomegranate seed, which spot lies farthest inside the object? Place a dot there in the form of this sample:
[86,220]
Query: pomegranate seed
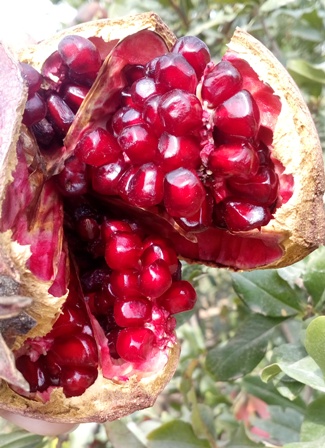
[180,297]
[59,113]
[75,381]
[105,179]
[261,189]
[84,79]
[150,68]
[123,187]
[124,117]
[80,54]
[98,147]
[155,279]
[32,78]
[35,110]
[239,115]
[242,216]
[195,51]
[142,89]
[54,69]
[146,186]
[237,159]
[175,152]
[123,251]
[151,114]
[201,219]
[72,181]
[172,71]
[74,95]
[78,350]
[183,193]
[125,283]
[44,132]
[133,72]
[33,372]
[88,228]
[181,112]
[72,320]
[139,144]
[132,311]
[135,344]
[110,226]
[219,84]
[157,250]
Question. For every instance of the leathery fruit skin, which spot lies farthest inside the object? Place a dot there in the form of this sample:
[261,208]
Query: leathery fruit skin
[108,399]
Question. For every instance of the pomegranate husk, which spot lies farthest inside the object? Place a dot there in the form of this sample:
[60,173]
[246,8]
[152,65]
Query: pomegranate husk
[299,224]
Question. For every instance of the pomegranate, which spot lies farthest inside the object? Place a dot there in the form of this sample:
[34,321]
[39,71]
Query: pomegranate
[126,150]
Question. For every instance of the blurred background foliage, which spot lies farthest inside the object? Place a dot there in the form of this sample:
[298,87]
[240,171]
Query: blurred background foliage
[245,378]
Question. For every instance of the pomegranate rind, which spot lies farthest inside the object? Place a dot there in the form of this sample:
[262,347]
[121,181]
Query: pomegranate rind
[105,400]
[300,221]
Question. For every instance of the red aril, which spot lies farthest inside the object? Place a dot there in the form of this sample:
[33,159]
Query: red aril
[135,344]
[80,54]
[194,51]
[132,311]
[98,147]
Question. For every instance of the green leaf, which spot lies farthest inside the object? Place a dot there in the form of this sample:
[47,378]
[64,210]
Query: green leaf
[266,292]
[313,426]
[291,359]
[243,352]
[314,444]
[175,434]
[307,70]
[202,418]
[315,341]
[271,5]
[121,436]
[314,277]
[22,439]
[240,440]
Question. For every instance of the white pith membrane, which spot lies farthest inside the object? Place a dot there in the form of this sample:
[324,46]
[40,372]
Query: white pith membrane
[128,388]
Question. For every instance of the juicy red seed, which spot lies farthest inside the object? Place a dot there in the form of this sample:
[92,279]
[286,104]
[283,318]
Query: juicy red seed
[132,311]
[44,132]
[219,84]
[123,187]
[133,72]
[54,68]
[152,116]
[32,78]
[78,350]
[110,226]
[59,113]
[172,71]
[35,110]
[135,344]
[183,193]
[123,251]
[75,381]
[195,51]
[142,90]
[88,228]
[125,283]
[242,216]
[139,144]
[175,152]
[84,79]
[239,115]
[261,189]
[74,95]
[181,112]
[80,54]
[105,178]
[111,342]
[98,147]
[157,251]
[33,372]
[150,68]
[72,180]
[124,117]
[180,297]
[202,219]
[238,159]
[73,320]
[146,186]
[155,279]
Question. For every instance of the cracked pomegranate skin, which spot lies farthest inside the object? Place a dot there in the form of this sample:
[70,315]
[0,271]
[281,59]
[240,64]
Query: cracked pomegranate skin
[181,158]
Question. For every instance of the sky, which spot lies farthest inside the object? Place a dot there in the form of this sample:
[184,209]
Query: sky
[28,21]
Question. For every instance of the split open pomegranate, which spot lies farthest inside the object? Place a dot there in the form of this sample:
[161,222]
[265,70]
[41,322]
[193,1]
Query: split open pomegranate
[127,151]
